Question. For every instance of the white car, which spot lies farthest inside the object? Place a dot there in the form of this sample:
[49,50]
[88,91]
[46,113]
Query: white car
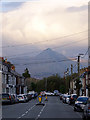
[48,93]
[22,98]
[52,93]
[68,99]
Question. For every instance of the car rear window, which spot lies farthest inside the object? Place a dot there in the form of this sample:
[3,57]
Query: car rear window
[5,95]
[82,99]
[20,96]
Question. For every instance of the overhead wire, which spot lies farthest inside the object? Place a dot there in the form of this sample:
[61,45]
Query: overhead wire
[52,48]
[44,40]
[42,62]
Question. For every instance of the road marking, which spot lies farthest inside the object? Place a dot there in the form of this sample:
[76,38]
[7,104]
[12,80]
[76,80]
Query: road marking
[40,112]
[26,112]
[19,117]
[23,115]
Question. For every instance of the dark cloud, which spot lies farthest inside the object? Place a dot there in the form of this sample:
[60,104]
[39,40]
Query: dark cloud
[9,6]
[77,9]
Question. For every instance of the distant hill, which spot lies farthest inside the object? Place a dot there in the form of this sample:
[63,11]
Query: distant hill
[46,63]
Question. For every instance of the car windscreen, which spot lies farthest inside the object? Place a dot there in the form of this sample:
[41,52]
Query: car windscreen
[83,99]
[69,96]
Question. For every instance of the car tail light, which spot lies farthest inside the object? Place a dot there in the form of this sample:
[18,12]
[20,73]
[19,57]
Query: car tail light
[22,97]
[89,108]
[71,98]
[10,97]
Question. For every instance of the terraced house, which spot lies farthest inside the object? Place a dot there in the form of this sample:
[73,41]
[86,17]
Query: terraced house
[12,82]
[84,81]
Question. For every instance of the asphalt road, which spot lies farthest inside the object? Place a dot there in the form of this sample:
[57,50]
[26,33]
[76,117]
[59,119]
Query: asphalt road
[53,108]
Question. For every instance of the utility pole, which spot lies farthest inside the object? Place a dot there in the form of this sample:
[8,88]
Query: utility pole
[46,84]
[78,64]
[67,73]
[78,82]
[85,84]
[86,81]
[71,69]
[71,78]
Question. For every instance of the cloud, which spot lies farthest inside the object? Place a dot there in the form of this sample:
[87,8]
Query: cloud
[10,6]
[39,21]
[77,9]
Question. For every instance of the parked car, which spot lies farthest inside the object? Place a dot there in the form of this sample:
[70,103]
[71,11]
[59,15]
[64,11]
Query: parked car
[61,96]
[80,103]
[22,98]
[48,93]
[72,99]
[26,97]
[64,98]
[16,99]
[68,99]
[7,98]
[56,92]
[86,111]
[52,94]
[42,93]
[29,95]
[35,95]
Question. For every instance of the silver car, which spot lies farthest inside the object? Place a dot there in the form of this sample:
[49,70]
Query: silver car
[86,111]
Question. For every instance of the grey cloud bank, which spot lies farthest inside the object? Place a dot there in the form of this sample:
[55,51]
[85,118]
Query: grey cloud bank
[77,9]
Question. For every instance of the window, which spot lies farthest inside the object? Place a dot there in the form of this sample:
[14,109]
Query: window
[3,90]
[3,78]
[9,79]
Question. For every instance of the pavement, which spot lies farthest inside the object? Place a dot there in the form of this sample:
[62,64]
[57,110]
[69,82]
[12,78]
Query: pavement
[54,108]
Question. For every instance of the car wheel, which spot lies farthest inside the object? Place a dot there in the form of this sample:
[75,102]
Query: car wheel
[11,103]
[75,109]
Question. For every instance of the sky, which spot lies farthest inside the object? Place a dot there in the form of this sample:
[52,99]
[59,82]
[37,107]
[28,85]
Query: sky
[30,26]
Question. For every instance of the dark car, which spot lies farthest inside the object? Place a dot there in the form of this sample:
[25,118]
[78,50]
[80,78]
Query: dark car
[29,96]
[7,99]
[80,103]
[86,111]
[72,99]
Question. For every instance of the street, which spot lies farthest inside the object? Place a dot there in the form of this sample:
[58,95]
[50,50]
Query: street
[53,108]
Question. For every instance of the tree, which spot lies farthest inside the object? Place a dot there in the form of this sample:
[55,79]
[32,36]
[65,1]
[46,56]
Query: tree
[78,85]
[54,82]
[26,73]
[62,88]
[33,86]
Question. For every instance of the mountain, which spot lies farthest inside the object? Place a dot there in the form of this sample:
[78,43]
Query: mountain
[50,54]
[46,63]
